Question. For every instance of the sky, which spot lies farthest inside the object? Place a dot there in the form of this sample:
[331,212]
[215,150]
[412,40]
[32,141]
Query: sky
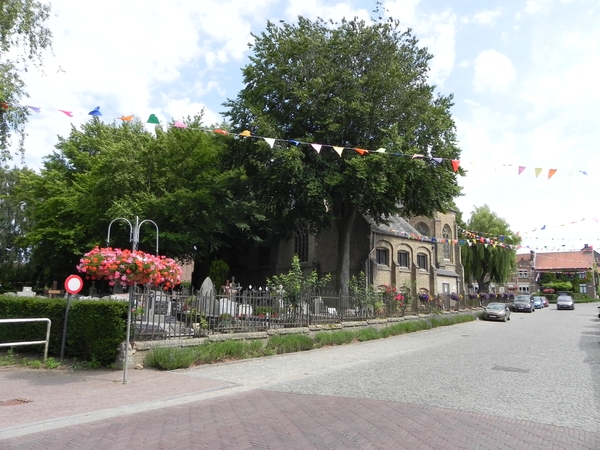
[524,76]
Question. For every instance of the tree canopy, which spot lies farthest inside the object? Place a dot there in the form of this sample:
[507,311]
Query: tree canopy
[101,172]
[23,38]
[487,263]
[352,85]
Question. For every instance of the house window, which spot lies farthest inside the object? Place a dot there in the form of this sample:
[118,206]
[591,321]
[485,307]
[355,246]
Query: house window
[582,275]
[264,256]
[383,257]
[422,261]
[447,236]
[583,288]
[301,245]
[524,289]
[403,259]
[523,273]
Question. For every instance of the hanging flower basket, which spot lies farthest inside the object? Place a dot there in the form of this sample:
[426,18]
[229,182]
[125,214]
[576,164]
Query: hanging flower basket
[128,267]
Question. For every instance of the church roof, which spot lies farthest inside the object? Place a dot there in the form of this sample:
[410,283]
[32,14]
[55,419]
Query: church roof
[396,225]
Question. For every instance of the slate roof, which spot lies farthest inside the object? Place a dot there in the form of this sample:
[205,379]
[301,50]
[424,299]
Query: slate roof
[397,225]
[564,260]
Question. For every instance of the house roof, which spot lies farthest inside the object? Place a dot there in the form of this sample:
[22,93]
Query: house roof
[447,273]
[564,260]
[396,225]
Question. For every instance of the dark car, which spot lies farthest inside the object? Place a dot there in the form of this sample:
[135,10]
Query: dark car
[496,311]
[523,303]
[565,302]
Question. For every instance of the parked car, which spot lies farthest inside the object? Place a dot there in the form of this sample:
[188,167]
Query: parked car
[496,311]
[545,302]
[524,303]
[565,302]
[538,303]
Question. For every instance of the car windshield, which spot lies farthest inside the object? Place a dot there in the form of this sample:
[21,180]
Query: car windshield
[523,298]
[564,299]
[495,306]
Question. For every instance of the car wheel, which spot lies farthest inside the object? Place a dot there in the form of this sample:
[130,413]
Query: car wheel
[504,320]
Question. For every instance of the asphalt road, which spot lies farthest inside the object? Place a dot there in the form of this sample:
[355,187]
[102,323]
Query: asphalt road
[530,383]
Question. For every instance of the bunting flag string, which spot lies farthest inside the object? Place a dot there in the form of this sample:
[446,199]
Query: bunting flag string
[470,242]
[153,120]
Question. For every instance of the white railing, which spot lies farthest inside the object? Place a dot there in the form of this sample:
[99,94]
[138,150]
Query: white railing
[13,344]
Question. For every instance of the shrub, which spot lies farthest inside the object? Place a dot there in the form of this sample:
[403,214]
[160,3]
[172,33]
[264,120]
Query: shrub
[290,343]
[367,334]
[334,338]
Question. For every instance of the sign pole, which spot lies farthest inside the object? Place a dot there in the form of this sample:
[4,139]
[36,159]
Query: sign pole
[73,285]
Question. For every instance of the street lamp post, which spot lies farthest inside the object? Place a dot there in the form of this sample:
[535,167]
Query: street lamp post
[134,238]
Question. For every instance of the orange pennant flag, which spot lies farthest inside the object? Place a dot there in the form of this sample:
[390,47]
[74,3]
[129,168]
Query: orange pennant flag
[126,118]
[223,132]
[455,164]
[551,172]
[361,151]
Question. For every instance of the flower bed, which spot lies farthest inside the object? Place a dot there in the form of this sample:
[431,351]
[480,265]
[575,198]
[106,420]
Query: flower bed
[128,267]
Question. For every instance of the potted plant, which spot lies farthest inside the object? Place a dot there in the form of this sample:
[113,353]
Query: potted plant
[225,319]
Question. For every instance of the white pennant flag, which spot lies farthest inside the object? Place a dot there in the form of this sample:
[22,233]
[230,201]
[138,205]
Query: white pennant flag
[317,147]
[339,150]
[270,141]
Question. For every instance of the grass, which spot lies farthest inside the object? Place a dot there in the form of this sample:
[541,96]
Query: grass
[11,358]
[169,358]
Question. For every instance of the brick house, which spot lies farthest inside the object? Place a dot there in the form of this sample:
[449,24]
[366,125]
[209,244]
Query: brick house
[522,280]
[564,266]
[569,266]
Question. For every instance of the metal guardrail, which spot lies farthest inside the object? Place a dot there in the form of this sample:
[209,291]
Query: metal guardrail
[13,344]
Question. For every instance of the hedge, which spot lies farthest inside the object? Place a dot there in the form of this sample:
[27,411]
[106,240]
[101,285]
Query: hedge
[96,328]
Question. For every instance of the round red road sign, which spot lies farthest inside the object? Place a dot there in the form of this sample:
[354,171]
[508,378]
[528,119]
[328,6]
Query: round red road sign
[73,284]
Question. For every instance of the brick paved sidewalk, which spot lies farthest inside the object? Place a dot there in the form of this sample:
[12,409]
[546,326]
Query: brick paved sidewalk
[262,419]
[29,396]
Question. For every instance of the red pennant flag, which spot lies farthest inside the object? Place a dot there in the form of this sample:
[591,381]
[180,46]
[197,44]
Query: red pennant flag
[455,164]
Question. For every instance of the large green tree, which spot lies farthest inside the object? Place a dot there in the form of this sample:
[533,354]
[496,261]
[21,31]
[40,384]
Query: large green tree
[23,38]
[487,262]
[101,172]
[353,85]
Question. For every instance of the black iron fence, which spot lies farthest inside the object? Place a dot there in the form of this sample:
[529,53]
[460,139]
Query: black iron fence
[162,315]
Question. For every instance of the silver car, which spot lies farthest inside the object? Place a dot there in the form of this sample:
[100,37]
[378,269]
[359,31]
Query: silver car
[565,302]
[496,311]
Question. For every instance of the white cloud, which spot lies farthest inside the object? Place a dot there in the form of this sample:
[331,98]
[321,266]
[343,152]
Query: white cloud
[494,72]
[316,8]
[486,17]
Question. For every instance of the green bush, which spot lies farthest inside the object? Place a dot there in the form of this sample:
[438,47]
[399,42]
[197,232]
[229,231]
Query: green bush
[171,358]
[95,328]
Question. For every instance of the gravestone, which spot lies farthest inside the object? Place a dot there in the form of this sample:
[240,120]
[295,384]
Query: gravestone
[207,298]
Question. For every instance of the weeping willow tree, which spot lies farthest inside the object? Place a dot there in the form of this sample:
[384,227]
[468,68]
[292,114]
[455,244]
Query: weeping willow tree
[486,262]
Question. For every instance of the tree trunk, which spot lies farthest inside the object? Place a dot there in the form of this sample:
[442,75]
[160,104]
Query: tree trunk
[344,223]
